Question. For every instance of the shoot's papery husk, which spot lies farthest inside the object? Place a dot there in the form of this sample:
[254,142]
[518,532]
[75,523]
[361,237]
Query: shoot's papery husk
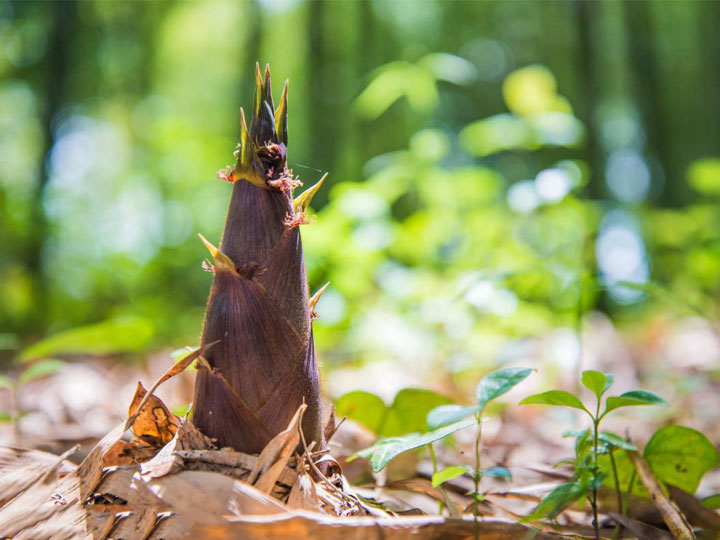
[264,366]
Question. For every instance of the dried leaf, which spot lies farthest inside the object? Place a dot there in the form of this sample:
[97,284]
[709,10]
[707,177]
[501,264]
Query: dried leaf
[283,444]
[216,494]
[303,494]
[154,422]
[640,529]
[167,461]
[303,525]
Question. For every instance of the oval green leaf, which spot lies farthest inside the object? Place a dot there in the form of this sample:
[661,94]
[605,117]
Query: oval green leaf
[596,381]
[557,500]
[559,398]
[499,382]
[362,407]
[382,452]
[680,456]
[448,414]
[447,474]
[408,411]
[633,398]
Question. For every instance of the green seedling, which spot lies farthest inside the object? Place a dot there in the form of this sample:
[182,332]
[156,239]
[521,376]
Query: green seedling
[490,387]
[590,444]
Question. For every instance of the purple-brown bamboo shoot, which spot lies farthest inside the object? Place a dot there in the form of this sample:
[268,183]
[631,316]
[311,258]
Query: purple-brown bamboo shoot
[264,366]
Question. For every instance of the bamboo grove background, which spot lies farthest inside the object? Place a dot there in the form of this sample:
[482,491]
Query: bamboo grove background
[501,173]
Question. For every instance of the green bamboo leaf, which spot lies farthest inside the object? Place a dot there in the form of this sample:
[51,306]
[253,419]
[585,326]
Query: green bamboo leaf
[448,414]
[447,474]
[597,382]
[680,456]
[126,334]
[499,382]
[555,397]
[633,398]
[382,452]
[40,369]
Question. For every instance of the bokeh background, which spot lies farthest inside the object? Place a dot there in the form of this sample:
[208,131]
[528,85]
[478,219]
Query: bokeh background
[533,183]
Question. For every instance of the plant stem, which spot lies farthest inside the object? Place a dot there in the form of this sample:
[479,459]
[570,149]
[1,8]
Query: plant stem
[593,502]
[476,476]
[618,527]
[433,460]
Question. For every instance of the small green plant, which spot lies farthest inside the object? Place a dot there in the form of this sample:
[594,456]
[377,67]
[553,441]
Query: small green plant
[445,420]
[490,387]
[590,444]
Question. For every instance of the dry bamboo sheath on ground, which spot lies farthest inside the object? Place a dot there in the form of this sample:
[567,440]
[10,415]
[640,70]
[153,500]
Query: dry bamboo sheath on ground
[264,365]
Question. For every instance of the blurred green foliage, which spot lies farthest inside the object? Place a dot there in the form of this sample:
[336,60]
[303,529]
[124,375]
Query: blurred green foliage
[497,169]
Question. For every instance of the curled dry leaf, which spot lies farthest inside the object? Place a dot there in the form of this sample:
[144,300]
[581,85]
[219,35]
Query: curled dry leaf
[154,423]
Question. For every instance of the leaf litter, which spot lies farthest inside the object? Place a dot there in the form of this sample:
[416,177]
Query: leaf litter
[169,481]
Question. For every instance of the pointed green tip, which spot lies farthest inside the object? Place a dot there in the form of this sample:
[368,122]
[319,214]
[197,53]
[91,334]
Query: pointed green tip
[302,201]
[281,116]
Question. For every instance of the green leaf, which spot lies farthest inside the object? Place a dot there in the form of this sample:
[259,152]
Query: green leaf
[499,382]
[362,407]
[597,382]
[408,411]
[616,441]
[115,336]
[382,452]
[712,502]
[448,473]
[557,500]
[680,456]
[448,414]
[6,382]
[555,397]
[498,472]
[5,416]
[633,398]
[40,369]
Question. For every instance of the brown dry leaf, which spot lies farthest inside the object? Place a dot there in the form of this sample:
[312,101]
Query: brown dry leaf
[122,484]
[673,517]
[50,508]
[128,453]
[135,525]
[19,469]
[303,494]
[640,529]
[207,498]
[304,525]
[225,457]
[283,444]
[697,514]
[167,461]
[154,423]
